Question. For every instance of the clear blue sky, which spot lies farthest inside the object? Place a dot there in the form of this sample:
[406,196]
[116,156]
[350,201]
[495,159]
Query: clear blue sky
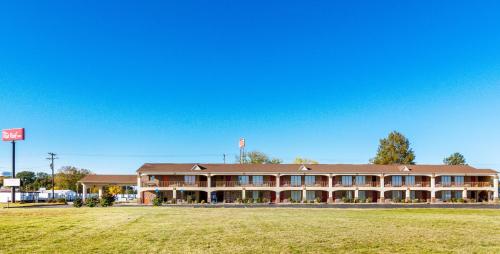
[183,81]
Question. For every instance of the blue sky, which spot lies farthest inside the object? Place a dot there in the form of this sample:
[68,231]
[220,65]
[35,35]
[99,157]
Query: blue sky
[109,86]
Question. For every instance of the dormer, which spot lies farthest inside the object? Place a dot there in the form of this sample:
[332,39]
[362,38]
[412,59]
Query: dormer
[197,167]
[304,168]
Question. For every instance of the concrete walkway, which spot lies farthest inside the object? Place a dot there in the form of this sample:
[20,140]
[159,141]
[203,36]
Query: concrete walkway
[356,206]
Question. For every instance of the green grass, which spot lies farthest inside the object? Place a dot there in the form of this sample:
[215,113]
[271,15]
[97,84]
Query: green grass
[240,230]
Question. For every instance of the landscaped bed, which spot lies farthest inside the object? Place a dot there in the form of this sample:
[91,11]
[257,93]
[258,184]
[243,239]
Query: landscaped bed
[237,230]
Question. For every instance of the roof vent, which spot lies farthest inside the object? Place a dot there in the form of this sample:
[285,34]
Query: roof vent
[404,168]
[197,167]
[304,168]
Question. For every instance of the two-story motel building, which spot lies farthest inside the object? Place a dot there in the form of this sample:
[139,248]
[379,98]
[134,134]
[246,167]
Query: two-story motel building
[322,182]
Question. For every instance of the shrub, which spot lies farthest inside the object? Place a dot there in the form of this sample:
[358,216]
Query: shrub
[368,200]
[202,201]
[238,200]
[78,202]
[250,200]
[157,201]
[189,199]
[107,200]
[265,200]
[62,201]
[92,202]
[317,200]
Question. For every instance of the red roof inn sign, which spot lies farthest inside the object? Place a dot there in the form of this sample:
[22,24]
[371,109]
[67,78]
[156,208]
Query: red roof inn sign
[13,134]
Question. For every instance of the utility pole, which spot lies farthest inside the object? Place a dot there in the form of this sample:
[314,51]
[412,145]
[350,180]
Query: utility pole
[52,158]
[13,192]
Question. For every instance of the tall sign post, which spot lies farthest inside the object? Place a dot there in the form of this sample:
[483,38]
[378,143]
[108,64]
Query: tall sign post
[13,135]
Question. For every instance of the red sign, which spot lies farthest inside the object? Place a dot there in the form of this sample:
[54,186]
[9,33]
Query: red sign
[13,134]
[242,142]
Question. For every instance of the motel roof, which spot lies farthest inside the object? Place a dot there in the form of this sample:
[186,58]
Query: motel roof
[309,168]
[109,179]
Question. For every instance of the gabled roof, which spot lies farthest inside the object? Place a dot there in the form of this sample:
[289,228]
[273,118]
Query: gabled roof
[312,168]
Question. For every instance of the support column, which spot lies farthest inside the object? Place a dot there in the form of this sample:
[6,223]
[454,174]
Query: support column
[84,192]
[407,194]
[243,194]
[278,197]
[433,188]
[304,195]
[174,195]
[495,186]
[139,194]
[356,193]
[100,191]
[330,181]
[278,184]
[209,189]
[382,188]
[330,197]
[464,194]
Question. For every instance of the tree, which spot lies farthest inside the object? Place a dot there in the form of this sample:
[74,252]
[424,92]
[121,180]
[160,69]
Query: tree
[67,177]
[43,180]
[299,160]
[455,159]
[27,180]
[114,190]
[256,157]
[395,149]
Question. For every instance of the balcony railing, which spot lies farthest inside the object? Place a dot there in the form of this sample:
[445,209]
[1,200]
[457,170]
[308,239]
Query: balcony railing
[465,184]
[240,184]
[406,184]
[317,184]
[290,184]
[365,184]
[174,184]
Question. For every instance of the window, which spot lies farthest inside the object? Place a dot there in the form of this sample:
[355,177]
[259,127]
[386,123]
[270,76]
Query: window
[310,195]
[296,195]
[446,195]
[243,180]
[151,178]
[459,181]
[189,179]
[258,180]
[412,195]
[397,195]
[410,180]
[360,180]
[445,180]
[347,180]
[361,195]
[255,195]
[295,181]
[458,194]
[397,181]
[349,194]
[310,180]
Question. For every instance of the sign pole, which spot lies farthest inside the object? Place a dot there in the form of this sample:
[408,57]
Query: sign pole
[13,192]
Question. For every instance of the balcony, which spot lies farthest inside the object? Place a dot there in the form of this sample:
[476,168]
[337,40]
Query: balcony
[240,184]
[365,184]
[405,184]
[464,184]
[174,184]
[317,184]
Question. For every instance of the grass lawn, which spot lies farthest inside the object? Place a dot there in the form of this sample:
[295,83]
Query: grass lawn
[244,230]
